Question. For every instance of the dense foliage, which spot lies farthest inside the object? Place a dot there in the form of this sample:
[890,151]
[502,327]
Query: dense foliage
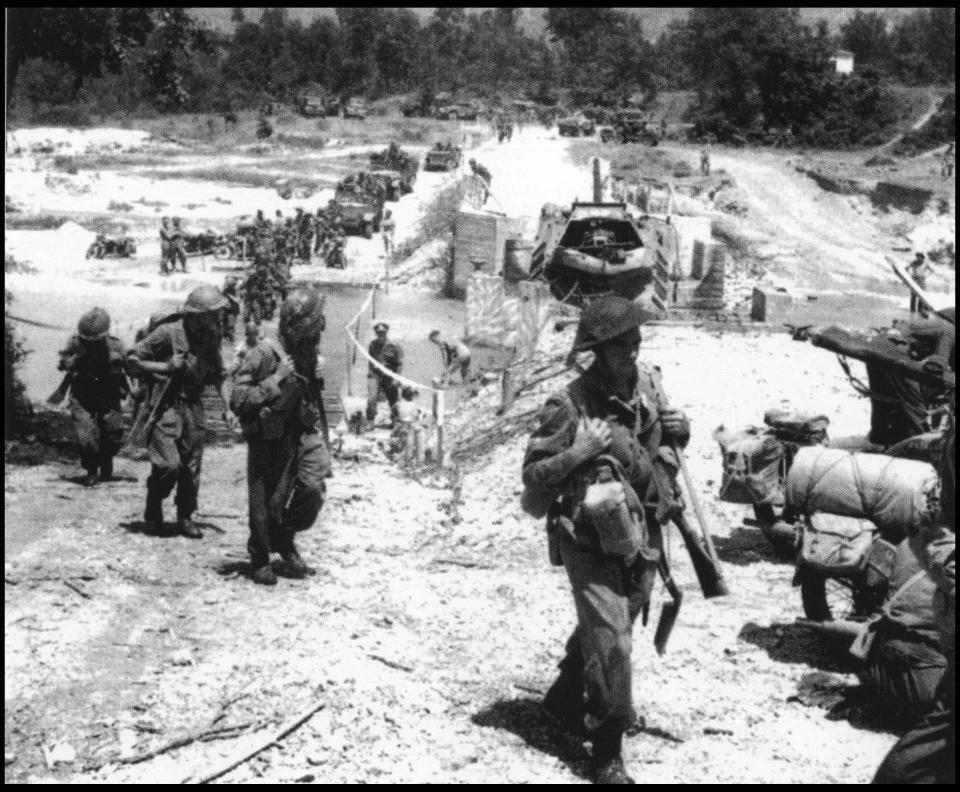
[759,73]
[15,404]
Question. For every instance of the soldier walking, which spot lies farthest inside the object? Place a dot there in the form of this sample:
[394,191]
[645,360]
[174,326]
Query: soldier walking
[388,227]
[919,269]
[390,356]
[611,424]
[94,364]
[183,356]
[179,245]
[704,161]
[232,311]
[166,247]
[277,396]
[478,170]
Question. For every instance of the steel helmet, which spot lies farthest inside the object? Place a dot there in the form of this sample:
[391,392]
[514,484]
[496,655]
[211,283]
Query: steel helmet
[605,319]
[301,315]
[94,325]
[204,299]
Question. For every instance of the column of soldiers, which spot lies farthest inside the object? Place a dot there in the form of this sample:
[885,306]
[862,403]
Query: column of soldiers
[274,390]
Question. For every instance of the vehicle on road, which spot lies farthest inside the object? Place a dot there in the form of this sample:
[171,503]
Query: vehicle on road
[631,126]
[443,157]
[360,212]
[458,111]
[356,108]
[120,247]
[576,125]
[313,105]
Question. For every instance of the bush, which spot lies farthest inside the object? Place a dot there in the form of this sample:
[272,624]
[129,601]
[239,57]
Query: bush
[16,407]
[63,115]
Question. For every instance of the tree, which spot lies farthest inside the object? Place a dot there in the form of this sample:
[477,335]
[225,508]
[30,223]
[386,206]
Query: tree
[865,35]
[89,41]
[168,54]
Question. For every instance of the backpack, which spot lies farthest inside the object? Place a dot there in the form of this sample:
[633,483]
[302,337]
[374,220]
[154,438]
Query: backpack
[754,467]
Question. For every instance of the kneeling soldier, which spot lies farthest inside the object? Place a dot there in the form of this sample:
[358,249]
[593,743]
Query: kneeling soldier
[277,396]
[93,360]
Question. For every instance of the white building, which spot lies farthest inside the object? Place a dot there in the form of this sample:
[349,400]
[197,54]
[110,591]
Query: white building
[843,61]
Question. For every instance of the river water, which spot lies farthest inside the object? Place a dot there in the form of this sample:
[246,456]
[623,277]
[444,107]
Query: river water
[411,317]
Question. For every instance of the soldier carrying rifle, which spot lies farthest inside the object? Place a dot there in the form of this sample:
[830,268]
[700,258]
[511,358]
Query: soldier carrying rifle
[599,466]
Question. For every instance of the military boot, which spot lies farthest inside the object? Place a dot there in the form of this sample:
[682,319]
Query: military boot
[265,576]
[106,469]
[153,514]
[295,566]
[564,700]
[607,762]
[90,480]
[189,528]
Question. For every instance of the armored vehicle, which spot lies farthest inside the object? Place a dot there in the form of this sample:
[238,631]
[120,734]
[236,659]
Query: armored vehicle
[589,250]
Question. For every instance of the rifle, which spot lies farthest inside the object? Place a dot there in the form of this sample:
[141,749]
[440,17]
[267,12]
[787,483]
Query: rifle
[63,388]
[707,567]
[670,610]
[145,422]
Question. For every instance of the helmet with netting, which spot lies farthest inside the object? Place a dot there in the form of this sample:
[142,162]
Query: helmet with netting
[301,315]
[94,325]
[204,299]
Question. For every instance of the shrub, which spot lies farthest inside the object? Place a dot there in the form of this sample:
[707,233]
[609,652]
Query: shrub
[63,115]
[16,407]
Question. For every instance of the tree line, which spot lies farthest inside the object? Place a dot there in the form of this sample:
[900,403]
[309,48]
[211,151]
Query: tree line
[757,72]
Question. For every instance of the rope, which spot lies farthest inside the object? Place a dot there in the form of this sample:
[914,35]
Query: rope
[375,363]
[35,323]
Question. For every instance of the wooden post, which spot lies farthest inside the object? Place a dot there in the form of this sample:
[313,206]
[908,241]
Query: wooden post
[349,368]
[438,417]
[386,272]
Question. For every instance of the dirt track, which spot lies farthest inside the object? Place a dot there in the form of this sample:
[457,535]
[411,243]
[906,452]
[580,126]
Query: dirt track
[431,640]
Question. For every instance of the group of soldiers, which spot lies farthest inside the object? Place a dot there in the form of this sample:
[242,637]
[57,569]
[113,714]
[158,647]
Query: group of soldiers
[274,391]
[301,236]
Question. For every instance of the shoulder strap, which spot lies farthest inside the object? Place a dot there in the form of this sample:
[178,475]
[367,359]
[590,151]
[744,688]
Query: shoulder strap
[898,594]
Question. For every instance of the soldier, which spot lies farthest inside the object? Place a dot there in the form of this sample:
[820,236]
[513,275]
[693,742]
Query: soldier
[277,395]
[946,164]
[252,335]
[93,362]
[926,754]
[304,229]
[478,170]
[704,161]
[183,356]
[390,356]
[919,269]
[232,311]
[321,227]
[610,424]
[456,357]
[179,245]
[166,248]
[388,227]
[260,223]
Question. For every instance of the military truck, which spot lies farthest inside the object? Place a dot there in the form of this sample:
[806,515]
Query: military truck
[575,126]
[631,126]
[395,158]
[317,104]
[443,157]
[457,111]
[360,211]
